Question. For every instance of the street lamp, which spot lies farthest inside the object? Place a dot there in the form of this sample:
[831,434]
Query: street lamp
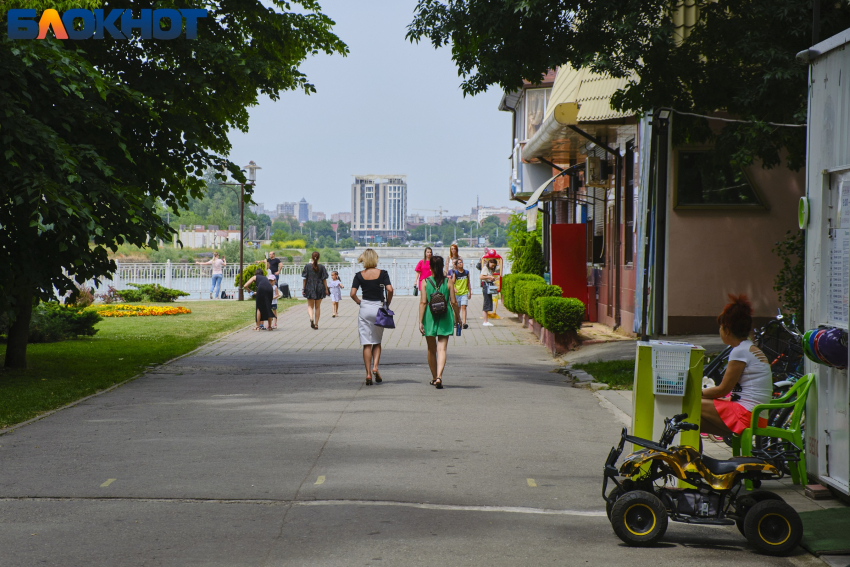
[251,168]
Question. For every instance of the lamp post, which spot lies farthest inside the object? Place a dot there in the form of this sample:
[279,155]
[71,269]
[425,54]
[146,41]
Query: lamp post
[251,168]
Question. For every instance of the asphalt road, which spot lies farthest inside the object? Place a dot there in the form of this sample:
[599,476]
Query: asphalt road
[268,449]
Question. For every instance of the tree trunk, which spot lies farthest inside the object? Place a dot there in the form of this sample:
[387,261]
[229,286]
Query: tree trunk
[19,331]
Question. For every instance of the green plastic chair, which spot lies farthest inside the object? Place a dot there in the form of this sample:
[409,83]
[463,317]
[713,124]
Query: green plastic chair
[743,445]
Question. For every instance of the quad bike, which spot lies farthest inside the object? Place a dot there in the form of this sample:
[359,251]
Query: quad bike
[643,498]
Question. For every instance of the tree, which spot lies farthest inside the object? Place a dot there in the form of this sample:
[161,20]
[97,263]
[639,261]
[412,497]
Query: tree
[739,57]
[99,135]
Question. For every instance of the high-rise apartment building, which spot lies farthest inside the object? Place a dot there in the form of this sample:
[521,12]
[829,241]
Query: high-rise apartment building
[305,210]
[287,209]
[341,217]
[378,205]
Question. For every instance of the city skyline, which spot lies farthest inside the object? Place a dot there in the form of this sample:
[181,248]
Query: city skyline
[452,148]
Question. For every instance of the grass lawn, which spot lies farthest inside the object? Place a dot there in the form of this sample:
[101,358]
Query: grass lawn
[618,374]
[59,373]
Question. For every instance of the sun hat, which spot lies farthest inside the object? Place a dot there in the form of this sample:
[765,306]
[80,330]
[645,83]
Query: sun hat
[271,277]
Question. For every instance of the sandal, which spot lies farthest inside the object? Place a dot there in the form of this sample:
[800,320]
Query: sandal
[439,383]
[368,381]
[433,382]
[377,376]
[312,324]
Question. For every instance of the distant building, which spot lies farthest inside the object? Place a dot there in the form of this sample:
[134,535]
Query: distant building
[415,219]
[287,209]
[258,209]
[504,213]
[317,216]
[305,210]
[200,236]
[341,217]
[379,205]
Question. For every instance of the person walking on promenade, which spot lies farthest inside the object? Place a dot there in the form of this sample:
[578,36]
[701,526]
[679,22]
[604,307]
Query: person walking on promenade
[273,281]
[263,298]
[423,269]
[315,288]
[460,279]
[273,265]
[373,283]
[489,274]
[437,327]
[336,288]
[217,274]
[454,257]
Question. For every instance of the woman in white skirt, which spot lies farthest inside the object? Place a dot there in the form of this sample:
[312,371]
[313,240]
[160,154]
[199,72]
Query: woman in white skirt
[373,283]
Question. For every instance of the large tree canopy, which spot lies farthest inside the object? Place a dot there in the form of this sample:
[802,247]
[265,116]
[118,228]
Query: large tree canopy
[738,58]
[95,134]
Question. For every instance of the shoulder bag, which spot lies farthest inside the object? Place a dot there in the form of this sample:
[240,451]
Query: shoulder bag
[384,317]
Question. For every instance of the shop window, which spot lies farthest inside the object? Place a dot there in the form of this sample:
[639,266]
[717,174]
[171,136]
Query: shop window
[535,108]
[704,180]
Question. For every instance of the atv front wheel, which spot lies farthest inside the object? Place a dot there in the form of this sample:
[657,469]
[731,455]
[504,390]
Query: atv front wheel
[614,495]
[744,503]
[639,518]
[773,528]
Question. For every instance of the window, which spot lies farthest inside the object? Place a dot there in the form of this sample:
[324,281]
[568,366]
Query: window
[629,205]
[535,108]
[704,180]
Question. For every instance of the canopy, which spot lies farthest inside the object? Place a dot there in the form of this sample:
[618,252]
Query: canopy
[490,253]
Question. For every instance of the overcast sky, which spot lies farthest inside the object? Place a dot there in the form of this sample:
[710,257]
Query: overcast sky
[389,107]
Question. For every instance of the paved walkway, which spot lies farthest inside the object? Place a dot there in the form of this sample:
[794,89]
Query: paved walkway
[266,448]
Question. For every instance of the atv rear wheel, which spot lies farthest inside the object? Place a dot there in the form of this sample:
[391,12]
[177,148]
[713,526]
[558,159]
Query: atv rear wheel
[743,504]
[773,528]
[639,518]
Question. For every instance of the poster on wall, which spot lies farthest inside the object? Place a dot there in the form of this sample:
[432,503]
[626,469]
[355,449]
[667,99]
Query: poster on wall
[839,261]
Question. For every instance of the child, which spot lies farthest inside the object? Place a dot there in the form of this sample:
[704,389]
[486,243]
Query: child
[461,282]
[274,300]
[336,288]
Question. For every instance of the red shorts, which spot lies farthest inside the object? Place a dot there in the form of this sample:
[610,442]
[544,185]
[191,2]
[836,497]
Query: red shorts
[735,416]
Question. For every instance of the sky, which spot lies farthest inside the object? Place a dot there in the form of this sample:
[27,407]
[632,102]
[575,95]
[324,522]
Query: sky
[388,107]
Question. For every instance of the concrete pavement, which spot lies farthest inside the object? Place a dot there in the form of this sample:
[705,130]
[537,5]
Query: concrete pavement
[266,448]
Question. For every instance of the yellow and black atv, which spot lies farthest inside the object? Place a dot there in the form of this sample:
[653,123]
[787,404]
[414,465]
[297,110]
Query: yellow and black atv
[644,495]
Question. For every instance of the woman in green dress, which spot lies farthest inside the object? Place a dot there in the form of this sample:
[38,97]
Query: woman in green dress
[437,328]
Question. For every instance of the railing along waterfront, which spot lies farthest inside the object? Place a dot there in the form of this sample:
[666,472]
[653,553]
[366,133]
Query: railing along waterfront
[195,279]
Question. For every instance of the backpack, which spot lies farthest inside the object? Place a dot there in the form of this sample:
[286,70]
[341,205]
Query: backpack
[437,302]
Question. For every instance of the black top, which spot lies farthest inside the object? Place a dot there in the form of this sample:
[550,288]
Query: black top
[273,264]
[372,288]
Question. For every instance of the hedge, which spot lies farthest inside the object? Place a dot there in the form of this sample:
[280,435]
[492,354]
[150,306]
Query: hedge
[508,284]
[149,292]
[559,314]
[532,292]
[519,295]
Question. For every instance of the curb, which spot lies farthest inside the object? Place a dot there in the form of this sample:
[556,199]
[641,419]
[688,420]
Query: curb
[39,417]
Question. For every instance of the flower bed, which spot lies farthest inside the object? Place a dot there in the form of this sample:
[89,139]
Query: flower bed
[125,310]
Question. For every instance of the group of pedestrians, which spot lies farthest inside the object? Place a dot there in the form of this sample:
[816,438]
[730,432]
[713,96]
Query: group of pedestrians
[443,286]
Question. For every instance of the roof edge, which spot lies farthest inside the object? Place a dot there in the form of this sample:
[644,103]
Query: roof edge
[809,55]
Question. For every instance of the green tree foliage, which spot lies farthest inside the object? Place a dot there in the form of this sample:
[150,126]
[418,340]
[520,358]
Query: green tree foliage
[790,282]
[94,141]
[740,57]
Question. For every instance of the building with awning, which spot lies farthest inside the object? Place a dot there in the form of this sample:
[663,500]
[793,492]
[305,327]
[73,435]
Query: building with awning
[614,194]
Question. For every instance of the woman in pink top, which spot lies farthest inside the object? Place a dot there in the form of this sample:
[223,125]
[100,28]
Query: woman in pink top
[217,274]
[423,268]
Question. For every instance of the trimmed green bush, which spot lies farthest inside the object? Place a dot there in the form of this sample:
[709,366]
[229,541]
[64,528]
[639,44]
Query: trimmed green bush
[519,295]
[508,286]
[249,272]
[536,291]
[149,292]
[52,322]
[559,314]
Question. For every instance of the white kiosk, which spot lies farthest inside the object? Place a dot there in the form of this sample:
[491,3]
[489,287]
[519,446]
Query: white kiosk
[825,214]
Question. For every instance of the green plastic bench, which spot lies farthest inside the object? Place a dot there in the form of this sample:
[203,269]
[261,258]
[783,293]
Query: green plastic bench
[743,445]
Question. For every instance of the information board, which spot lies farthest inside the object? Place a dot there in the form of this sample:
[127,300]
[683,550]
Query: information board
[839,261]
